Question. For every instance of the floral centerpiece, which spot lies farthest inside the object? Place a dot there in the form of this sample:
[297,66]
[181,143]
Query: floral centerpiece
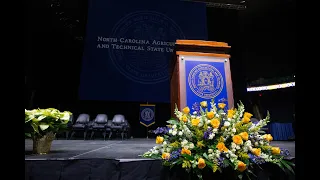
[216,138]
[42,126]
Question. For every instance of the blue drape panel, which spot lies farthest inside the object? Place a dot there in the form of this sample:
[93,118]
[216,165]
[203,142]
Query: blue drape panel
[281,131]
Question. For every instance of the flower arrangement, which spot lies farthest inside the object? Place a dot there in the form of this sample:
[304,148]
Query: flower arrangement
[216,138]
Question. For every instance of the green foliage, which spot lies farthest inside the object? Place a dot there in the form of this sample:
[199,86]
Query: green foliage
[42,121]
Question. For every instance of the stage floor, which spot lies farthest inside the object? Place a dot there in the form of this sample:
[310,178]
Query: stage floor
[126,150]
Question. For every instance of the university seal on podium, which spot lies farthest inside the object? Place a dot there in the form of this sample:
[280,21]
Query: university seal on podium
[147,114]
[205,81]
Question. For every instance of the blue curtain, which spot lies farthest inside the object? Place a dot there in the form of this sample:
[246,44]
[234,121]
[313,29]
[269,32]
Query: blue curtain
[281,131]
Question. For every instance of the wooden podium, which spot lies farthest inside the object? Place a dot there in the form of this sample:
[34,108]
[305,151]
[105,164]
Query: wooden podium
[200,70]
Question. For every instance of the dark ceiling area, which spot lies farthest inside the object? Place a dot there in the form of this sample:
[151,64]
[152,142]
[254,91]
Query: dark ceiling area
[262,38]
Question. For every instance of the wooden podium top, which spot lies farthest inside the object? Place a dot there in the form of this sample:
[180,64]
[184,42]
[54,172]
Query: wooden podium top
[198,47]
[202,43]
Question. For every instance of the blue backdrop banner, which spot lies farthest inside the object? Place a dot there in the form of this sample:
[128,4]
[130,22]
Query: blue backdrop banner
[147,114]
[129,45]
[205,81]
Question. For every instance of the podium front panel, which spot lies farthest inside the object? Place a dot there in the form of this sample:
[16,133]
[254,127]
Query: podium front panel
[203,78]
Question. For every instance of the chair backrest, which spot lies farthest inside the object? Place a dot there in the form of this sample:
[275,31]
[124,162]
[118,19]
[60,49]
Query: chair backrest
[101,118]
[83,119]
[118,119]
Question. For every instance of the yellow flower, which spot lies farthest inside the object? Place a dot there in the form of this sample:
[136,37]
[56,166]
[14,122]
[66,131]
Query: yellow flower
[185,151]
[245,119]
[195,122]
[210,114]
[186,110]
[237,139]
[275,150]
[165,156]
[221,105]
[244,136]
[201,163]
[248,115]
[231,112]
[200,144]
[184,118]
[256,151]
[221,147]
[268,137]
[215,123]
[241,166]
[186,164]
[159,140]
[204,104]
[175,144]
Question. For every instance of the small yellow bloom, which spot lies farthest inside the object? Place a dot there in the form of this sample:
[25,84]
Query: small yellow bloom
[248,115]
[185,151]
[231,112]
[210,114]
[159,140]
[186,110]
[237,139]
[204,104]
[201,163]
[275,150]
[200,144]
[256,151]
[268,137]
[241,166]
[215,123]
[186,164]
[221,147]
[221,105]
[184,118]
[165,156]
[195,122]
[245,119]
[244,136]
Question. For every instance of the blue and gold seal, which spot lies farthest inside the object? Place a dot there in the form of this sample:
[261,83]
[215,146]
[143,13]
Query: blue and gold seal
[205,81]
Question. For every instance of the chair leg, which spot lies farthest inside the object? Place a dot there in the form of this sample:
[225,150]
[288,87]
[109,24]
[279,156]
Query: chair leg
[104,135]
[73,132]
[92,133]
[110,134]
[121,135]
[84,135]
[67,135]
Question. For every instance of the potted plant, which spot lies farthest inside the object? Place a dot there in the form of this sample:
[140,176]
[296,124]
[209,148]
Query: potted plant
[211,140]
[42,126]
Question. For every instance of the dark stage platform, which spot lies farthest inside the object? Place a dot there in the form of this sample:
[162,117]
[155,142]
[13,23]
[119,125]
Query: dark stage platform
[100,160]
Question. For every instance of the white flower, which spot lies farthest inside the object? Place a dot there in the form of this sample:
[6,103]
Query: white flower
[215,130]
[226,124]
[237,147]
[164,143]
[200,124]
[174,126]
[261,142]
[233,145]
[217,115]
[191,145]
[210,151]
[194,112]
[234,130]
[210,156]
[256,144]
[174,132]
[155,152]
[208,122]
[180,133]
[170,131]
[211,136]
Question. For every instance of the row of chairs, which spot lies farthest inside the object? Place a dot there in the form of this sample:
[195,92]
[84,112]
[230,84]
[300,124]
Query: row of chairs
[118,125]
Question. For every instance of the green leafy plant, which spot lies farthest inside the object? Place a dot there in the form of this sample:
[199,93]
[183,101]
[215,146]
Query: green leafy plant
[41,121]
